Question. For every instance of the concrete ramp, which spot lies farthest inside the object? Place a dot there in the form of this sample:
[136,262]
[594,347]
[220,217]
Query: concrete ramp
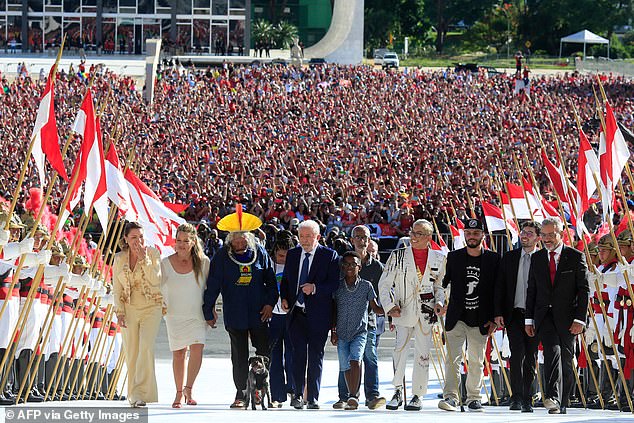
[343,43]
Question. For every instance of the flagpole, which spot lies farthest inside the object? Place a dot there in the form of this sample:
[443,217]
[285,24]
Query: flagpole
[63,348]
[42,340]
[95,355]
[21,322]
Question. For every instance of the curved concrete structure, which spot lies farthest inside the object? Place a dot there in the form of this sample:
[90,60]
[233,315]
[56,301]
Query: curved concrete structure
[343,43]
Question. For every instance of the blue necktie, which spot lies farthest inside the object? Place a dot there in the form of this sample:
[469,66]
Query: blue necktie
[303,278]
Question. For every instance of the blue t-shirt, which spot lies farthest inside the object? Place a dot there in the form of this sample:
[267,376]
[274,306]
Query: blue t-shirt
[352,308]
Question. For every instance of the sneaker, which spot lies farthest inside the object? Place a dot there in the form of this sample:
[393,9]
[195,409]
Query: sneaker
[377,402]
[449,404]
[475,406]
[414,404]
[551,404]
[352,404]
[276,404]
[339,405]
[396,401]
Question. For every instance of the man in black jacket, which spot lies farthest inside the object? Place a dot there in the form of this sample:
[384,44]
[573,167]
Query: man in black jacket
[510,307]
[471,271]
[556,305]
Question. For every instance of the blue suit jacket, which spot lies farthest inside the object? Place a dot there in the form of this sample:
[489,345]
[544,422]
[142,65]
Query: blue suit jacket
[324,273]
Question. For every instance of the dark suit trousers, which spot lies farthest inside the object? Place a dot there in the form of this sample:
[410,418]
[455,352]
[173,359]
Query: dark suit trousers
[308,344]
[558,345]
[523,356]
[240,353]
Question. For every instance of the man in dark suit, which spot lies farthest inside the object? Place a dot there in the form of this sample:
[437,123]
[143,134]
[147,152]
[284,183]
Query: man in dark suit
[510,308]
[471,271]
[311,275]
[556,305]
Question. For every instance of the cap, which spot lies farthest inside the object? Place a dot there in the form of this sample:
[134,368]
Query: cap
[593,249]
[606,242]
[625,238]
[473,224]
[80,261]
[56,250]
[294,222]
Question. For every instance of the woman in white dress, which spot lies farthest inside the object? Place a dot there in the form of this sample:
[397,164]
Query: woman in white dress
[184,281]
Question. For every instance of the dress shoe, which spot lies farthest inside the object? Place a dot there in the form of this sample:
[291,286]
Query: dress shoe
[33,397]
[6,401]
[297,403]
[526,408]
[515,405]
[312,405]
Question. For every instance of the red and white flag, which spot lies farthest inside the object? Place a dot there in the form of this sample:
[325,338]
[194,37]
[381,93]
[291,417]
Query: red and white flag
[495,221]
[586,184]
[613,155]
[158,221]
[458,237]
[92,161]
[442,247]
[118,191]
[45,136]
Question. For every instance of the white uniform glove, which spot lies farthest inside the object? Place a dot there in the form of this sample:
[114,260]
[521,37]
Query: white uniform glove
[4,236]
[53,273]
[44,257]
[592,278]
[107,299]
[26,245]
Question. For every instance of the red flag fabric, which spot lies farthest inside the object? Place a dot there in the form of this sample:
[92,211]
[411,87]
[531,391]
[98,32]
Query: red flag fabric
[45,136]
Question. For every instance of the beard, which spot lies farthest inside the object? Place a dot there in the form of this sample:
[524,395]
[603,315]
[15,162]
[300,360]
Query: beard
[474,243]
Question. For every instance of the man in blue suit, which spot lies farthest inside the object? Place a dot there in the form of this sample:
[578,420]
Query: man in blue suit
[310,277]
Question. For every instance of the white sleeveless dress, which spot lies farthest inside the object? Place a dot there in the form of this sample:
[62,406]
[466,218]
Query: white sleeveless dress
[184,299]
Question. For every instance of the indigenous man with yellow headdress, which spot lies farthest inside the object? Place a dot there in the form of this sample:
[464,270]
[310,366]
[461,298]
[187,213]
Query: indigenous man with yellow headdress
[245,275]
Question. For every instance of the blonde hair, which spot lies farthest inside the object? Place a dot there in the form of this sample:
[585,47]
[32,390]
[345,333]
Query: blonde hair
[197,248]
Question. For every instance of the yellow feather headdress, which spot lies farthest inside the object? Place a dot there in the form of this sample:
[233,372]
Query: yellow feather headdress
[239,221]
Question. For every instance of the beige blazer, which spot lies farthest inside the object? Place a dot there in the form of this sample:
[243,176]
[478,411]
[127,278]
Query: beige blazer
[147,273]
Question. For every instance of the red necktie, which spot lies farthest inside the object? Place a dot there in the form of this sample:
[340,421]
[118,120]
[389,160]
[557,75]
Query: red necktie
[552,267]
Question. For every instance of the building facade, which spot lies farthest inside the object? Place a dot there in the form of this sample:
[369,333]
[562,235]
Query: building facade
[122,26]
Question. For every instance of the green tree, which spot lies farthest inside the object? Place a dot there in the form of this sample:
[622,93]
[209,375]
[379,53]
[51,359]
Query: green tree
[285,34]
[444,13]
[262,32]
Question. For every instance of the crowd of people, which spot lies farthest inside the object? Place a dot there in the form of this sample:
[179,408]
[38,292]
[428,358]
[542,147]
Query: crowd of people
[326,157]
[345,145]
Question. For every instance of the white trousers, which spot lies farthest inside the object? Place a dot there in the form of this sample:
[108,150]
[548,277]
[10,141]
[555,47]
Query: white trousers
[422,333]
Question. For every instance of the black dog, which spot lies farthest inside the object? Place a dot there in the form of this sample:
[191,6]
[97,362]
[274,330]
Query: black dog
[258,380]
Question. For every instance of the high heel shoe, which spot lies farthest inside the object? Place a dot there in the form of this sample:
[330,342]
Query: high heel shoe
[177,403]
[188,398]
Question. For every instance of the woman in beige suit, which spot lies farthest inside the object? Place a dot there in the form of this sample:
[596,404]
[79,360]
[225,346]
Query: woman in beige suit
[184,275]
[138,304]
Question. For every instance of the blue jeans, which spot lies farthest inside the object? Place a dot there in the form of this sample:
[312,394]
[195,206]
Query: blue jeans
[371,374]
[281,358]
